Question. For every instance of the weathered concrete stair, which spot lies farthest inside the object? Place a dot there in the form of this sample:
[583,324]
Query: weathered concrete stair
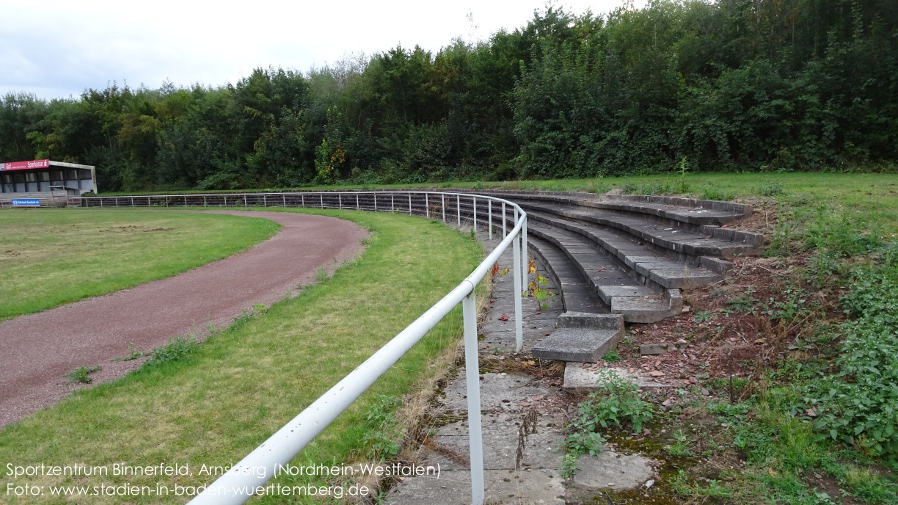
[581,337]
[646,263]
[610,279]
[635,253]
[577,293]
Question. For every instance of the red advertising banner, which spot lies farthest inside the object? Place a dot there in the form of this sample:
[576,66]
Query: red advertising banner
[25,165]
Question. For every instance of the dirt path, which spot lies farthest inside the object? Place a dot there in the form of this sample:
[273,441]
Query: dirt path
[38,350]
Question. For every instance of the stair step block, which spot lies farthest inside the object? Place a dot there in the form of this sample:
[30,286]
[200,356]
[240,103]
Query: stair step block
[578,344]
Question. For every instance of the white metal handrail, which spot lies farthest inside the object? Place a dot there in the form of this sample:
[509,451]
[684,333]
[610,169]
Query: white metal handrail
[252,472]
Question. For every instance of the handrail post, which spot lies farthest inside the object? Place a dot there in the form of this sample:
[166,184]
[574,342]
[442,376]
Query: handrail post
[489,211]
[474,201]
[518,310]
[472,376]
[525,261]
[504,233]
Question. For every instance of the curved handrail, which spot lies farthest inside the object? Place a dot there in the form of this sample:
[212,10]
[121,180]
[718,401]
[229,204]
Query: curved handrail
[249,475]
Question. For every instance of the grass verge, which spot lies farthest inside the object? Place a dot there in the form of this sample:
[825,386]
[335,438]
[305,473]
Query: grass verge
[51,257]
[217,402]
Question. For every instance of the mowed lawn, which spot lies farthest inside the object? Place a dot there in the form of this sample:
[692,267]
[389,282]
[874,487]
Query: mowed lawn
[219,400]
[53,256]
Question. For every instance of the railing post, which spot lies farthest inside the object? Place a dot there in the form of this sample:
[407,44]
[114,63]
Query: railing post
[410,204]
[375,201]
[472,376]
[392,202]
[504,233]
[443,206]
[322,199]
[458,208]
[427,205]
[489,212]
[525,261]
[357,206]
[518,311]
[474,201]
[340,201]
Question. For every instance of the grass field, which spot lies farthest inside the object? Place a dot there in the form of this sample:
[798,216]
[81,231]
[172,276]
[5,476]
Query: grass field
[224,397]
[51,257]
[213,403]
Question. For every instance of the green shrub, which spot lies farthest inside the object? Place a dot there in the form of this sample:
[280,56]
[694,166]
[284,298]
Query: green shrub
[383,430]
[177,349]
[859,404]
[80,374]
[616,402]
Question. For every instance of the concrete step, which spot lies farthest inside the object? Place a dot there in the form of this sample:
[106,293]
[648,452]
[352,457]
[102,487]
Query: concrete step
[638,300]
[683,210]
[686,242]
[577,294]
[582,337]
[582,378]
[643,259]
[648,309]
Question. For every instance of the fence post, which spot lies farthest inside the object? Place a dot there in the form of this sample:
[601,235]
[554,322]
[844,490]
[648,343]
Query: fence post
[410,204]
[474,201]
[526,261]
[427,205]
[518,312]
[489,211]
[504,233]
[472,376]
[458,208]
[443,206]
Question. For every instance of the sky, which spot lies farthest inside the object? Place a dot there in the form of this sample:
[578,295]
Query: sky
[58,49]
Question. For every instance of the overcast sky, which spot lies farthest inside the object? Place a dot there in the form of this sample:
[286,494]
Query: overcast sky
[59,48]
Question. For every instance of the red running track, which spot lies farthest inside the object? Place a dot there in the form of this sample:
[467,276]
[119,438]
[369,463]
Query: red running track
[38,350]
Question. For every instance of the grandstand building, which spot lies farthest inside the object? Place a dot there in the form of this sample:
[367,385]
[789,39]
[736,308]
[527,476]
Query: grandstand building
[43,183]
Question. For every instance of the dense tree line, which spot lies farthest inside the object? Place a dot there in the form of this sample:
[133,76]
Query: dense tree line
[725,85]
